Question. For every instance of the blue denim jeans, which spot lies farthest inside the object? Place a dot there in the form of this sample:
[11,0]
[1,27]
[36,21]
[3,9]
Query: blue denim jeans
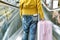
[29,24]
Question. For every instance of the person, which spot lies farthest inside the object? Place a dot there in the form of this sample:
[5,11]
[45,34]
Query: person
[29,12]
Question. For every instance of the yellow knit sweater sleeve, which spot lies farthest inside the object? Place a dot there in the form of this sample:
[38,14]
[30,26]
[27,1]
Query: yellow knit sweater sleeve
[40,10]
[21,4]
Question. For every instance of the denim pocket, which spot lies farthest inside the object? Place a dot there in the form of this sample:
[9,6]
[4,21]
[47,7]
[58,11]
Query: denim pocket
[35,18]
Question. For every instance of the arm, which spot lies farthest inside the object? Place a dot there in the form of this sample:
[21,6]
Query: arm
[21,4]
[40,10]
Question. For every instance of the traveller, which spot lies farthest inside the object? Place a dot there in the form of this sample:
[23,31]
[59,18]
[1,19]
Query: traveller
[29,12]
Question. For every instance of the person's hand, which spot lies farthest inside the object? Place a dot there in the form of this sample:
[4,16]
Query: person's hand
[42,19]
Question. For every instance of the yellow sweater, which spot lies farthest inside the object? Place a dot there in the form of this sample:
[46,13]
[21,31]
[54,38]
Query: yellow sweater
[30,7]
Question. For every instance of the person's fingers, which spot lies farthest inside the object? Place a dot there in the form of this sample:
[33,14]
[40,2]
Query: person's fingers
[43,19]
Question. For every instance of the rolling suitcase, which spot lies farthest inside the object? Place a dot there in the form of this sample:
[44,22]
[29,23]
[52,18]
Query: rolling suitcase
[44,30]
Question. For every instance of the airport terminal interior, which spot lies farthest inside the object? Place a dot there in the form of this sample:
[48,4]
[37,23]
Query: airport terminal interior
[10,21]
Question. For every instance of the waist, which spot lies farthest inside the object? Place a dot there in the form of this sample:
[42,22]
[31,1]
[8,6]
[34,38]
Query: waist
[32,15]
[29,11]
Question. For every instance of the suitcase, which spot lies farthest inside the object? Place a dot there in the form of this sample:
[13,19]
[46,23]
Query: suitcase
[44,30]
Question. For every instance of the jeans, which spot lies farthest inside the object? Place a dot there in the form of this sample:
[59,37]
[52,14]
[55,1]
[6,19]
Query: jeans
[29,24]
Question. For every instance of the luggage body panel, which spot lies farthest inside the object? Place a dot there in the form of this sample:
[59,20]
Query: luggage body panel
[44,30]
